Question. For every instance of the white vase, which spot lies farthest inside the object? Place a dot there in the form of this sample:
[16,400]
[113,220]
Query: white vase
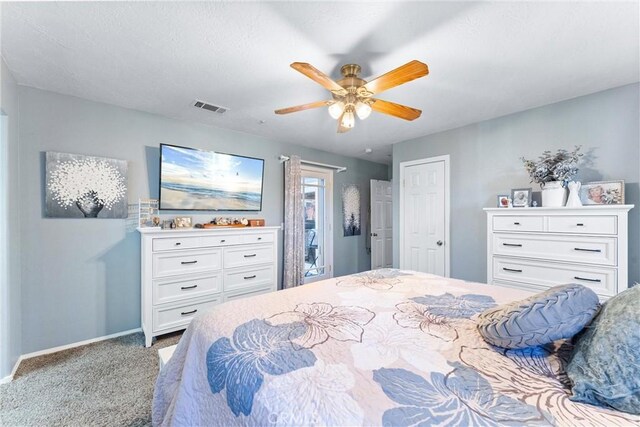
[574,195]
[554,195]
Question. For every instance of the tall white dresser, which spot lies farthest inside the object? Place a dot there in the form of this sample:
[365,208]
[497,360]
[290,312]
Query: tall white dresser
[186,272]
[537,248]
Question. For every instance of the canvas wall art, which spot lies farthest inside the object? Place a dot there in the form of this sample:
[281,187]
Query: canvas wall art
[351,210]
[80,186]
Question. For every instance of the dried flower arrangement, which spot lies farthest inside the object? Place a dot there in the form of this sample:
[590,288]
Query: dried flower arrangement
[561,166]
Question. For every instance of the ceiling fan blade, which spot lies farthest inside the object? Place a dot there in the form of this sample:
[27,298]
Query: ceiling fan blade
[342,129]
[403,74]
[319,77]
[303,107]
[395,110]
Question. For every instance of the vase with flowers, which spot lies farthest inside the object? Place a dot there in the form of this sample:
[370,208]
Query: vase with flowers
[553,171]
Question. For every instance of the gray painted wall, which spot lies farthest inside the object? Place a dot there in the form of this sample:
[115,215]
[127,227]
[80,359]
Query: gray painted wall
[11,312]
[81,277]
[485,162]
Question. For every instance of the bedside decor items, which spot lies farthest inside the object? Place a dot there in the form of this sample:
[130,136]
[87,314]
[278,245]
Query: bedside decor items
[182,221]
[351,210]
[574,194]
[148,213]
[602,193]
[503,201]
[521,197]
[553,172]
[78,186]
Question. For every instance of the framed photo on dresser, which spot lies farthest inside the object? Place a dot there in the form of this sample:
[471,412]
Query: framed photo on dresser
[521,197]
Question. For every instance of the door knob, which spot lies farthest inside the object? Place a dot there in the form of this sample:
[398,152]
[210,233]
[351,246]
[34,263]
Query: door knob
[374,234]
[439,243]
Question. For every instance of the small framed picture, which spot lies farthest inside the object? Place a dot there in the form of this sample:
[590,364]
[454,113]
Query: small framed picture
[521,197]
[503,201]
[182,222]
[602,193]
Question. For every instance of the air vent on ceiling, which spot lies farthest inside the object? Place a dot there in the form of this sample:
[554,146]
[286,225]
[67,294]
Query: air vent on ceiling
[215,108]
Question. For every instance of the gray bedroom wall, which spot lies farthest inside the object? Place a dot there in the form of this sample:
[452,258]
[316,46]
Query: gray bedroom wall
[10,312]
[485,162]
[81,278]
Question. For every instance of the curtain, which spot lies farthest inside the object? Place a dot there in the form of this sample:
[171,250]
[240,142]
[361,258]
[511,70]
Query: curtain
[293,225]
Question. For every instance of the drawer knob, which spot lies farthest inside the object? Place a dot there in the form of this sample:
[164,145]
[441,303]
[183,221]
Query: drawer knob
[250,277]
[222,241]
[250,256]
[178,243]
[188,262]
[580,224]
[513,270]
[516,223]
[515,245]
[259,238]
[587,279]
[184,288]
[587,250]
[186,313]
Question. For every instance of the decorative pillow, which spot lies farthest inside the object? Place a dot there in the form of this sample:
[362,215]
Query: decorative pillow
[605,364]
[557,313]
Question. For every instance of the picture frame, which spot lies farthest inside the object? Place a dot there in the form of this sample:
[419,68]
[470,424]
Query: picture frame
[602,193]
[503,200]
[521,197]
[182,221]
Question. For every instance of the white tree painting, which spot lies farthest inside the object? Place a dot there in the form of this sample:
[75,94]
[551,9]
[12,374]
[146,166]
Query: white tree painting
[85,187]
[351,210]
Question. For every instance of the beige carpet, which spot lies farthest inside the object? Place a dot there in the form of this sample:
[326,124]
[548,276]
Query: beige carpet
[109,383]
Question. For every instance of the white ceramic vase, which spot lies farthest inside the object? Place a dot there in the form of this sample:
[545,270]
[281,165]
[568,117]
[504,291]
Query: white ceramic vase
[574,195]
[554,195]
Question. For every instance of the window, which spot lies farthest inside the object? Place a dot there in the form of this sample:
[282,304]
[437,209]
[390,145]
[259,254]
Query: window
[317,189]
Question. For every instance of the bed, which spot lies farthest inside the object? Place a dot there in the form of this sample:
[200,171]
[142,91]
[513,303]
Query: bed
[383,347]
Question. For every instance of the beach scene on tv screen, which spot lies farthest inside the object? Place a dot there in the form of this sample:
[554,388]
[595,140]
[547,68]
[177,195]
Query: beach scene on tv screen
[205,180]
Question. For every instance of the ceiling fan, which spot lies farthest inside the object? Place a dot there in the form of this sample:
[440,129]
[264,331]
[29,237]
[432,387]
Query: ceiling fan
[354,96]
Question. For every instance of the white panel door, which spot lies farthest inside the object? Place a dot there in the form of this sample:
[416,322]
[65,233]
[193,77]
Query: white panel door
[423,214]
[381,228]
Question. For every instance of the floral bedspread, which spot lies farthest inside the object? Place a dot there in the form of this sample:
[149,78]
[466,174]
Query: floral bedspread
[383,347]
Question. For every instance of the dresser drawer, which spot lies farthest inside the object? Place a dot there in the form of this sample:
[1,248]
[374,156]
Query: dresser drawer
[221,240]
[173,243]
[185,262]
[583,224]
[601,279]
[240,257]
[171,290]
[177,315]
[247,278]
[518,223]
[258,238]
[583,249]
[248,293]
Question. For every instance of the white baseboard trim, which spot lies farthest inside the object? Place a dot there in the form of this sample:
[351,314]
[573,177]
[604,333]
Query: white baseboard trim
[9,378]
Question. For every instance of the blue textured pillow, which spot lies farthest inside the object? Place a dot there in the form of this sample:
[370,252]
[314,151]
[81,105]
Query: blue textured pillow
[605,364]
[557,313]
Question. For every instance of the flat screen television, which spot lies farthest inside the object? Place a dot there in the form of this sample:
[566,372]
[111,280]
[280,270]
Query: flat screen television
[199,180]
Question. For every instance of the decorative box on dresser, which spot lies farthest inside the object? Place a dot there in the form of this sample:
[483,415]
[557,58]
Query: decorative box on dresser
[537,248]
[186,272]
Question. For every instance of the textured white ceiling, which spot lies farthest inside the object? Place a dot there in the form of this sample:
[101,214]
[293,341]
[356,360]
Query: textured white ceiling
[486,59]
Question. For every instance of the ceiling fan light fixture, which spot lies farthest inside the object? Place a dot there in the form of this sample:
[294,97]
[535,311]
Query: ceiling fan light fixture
[363,110]
[348,119]
[336,109]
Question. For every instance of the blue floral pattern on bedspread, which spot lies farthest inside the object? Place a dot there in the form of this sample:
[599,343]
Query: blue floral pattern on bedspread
[462,307]
[383,347]
[257,349]
[461,398]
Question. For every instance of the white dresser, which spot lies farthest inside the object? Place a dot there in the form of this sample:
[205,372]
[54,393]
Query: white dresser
[185,272]
[537,248]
